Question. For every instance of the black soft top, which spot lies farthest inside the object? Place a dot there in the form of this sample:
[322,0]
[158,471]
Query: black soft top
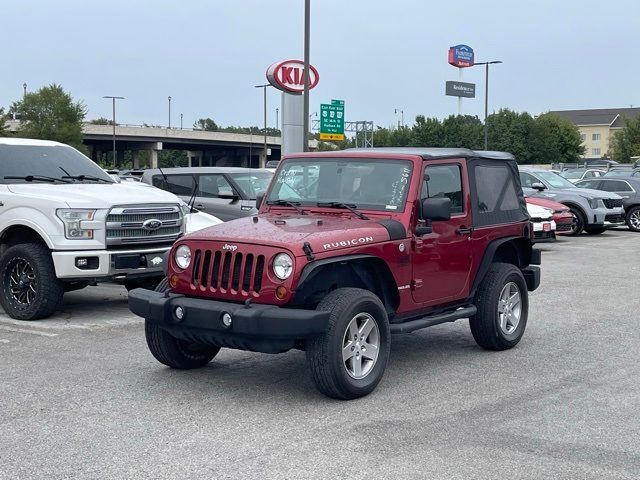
[432,153]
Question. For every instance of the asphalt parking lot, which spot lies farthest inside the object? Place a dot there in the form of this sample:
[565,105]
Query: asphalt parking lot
[81,397]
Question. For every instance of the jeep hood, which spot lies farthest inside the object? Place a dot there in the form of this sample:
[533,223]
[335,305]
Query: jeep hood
[323,232]
[92,195]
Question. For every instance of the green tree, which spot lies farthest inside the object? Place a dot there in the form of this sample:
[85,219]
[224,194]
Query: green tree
[51,114]
[462,131]
[101,121]
[625,143]
[206,124]
[512,132]
[555,139]
[427,132]
[4,131]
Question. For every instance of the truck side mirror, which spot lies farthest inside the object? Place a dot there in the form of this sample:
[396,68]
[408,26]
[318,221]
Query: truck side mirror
[259,200]
[539,186]
[433,209]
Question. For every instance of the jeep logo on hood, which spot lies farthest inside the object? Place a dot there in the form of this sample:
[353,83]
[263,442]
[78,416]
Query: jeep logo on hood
[152,224]
[226,246]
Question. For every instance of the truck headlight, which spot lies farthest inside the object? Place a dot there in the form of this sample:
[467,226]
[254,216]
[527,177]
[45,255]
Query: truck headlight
[75,222]
[282,266]
[183,257]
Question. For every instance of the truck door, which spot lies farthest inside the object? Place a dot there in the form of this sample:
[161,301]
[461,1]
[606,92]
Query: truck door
[442,259]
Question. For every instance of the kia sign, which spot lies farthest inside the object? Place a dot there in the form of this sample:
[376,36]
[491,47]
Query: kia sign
[461,56]
[461,89]
[288,76]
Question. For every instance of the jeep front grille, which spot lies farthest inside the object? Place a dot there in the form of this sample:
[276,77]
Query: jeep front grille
[612,202]
[144,224]
[236,273]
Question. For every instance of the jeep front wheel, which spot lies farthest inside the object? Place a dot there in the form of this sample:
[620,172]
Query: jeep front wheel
[174,352]
[349,359]
[503,305]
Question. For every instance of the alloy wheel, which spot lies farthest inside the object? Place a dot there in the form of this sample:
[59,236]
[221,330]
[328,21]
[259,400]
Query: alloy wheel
[360,345]
[22,281]
[509,308]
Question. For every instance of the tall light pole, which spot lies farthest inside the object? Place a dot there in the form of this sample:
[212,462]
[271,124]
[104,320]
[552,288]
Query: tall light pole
[277,119]
[24,90]
[486,97]
[180,121]
[305,117]
[169,111]
[264,95]
[113,121]
[396,110]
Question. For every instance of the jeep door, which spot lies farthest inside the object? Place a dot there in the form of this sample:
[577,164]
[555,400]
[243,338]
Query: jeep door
[218,197]
[442,259]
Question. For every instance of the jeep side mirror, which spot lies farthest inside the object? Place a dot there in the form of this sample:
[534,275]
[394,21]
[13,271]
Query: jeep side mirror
[433,209]
[259,200]
[539,186]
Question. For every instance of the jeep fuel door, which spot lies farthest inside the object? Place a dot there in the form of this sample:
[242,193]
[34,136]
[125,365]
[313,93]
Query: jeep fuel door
[442,259]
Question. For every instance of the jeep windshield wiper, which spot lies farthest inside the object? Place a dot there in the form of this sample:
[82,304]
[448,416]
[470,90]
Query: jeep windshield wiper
[86,177]
[288,203]
[349,206]
[36,178]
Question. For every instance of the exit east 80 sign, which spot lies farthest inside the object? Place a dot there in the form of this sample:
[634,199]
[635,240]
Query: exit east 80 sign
[332,120]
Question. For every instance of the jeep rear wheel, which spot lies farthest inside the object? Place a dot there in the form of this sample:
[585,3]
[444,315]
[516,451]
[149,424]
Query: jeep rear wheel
[172,351]
[30,288]
[349,359]
[503,305]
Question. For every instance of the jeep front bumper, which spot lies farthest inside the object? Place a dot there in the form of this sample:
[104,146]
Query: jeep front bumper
[256,327]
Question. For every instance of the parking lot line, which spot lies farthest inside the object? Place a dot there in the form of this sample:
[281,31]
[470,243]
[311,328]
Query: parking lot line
[24,330]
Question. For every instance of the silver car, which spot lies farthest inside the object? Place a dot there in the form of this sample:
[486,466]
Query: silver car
[225,192]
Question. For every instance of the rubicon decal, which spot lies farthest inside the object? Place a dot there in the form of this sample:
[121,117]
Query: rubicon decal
[347,243]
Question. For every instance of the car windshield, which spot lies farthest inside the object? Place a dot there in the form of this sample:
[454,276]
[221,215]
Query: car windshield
[361,183]
[573,174]
[252,183]
[555,180]
[619,173]
[52,161]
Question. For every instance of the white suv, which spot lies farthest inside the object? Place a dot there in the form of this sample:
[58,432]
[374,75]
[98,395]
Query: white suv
[65,224]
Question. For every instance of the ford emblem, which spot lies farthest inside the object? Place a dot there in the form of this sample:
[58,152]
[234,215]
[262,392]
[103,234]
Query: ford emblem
[152,224]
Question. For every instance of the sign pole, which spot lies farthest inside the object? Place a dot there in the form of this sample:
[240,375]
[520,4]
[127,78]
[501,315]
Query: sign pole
[305,74]
[459,98]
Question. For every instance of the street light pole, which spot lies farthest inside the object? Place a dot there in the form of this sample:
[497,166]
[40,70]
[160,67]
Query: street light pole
[277,119]
[264,92]
[486,97]
[113,121]
[305,117]
[169,111]
[396,110]
[180,121]
[24,90]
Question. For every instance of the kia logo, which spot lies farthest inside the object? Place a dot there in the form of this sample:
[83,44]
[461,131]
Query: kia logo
[288,76]
[152,224]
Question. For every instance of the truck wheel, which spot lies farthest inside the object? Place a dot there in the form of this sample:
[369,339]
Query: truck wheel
[30,288]
[172,351]
[503,305]
[349,359]
[633,219]
[580,222]
[594,230]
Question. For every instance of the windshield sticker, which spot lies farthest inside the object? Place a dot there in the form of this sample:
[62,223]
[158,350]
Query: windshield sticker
[391,207]
[347,243]
[400,187]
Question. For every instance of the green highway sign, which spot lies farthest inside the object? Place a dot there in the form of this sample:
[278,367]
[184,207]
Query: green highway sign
[332,120]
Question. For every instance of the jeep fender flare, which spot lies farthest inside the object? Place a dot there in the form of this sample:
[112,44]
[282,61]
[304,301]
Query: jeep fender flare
[517,250]
[383,283]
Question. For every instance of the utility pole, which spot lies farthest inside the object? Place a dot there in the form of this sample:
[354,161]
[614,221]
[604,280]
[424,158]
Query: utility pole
[486,98]
[169,111]
[113,121]
[396,110]
[24,90]
[180,121]
[264,92]
[305,119]
[277,120]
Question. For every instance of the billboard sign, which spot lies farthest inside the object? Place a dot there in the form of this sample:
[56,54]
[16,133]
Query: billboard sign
[332,120]
[461,56]
[288,76]
[461,89]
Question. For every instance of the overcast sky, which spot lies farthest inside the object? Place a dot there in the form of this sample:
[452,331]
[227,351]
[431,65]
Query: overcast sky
[376,55]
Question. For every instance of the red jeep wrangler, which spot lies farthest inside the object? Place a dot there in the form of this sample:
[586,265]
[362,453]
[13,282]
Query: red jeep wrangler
[349,247]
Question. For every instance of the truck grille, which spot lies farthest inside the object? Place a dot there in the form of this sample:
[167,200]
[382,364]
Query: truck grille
[612,202]
[145,224]
[228,272]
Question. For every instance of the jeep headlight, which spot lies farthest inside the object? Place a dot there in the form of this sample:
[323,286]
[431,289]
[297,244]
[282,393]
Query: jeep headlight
[78,223]
[282,266]
[182,257]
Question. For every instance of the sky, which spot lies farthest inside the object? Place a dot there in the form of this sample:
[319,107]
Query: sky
[377,56]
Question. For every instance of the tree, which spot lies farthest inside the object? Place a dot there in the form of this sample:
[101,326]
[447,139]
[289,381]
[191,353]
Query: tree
[512,132]
[462,131]
[555,139]
[51,114]
[4,131]
[101,121]
[427,132]
[626,142]
[206,124]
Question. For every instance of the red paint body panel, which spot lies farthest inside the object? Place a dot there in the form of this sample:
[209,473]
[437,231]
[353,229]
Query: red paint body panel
[561,214]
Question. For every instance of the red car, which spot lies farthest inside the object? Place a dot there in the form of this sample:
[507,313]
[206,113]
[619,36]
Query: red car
[565,221]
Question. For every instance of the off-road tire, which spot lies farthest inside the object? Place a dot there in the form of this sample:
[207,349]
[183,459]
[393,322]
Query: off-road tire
[324,351]
[632,213]
[484,324]
[594,230]
[580,221]
[49,290]
[172,351]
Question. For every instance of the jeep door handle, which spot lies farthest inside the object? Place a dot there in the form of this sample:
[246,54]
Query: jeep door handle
[464,230]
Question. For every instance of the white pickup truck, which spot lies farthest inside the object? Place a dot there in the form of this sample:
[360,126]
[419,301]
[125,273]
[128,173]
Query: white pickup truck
[65,224]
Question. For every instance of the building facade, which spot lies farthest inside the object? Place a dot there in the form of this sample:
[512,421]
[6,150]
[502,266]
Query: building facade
[597,126]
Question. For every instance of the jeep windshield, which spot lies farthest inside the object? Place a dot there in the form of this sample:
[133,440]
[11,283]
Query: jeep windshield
[367,184]
[58,163]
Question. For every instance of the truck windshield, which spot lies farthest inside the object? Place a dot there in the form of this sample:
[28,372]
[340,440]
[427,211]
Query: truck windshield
[53,161]
[369,184]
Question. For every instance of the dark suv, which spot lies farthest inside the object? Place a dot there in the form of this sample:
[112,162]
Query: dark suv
[348,248]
